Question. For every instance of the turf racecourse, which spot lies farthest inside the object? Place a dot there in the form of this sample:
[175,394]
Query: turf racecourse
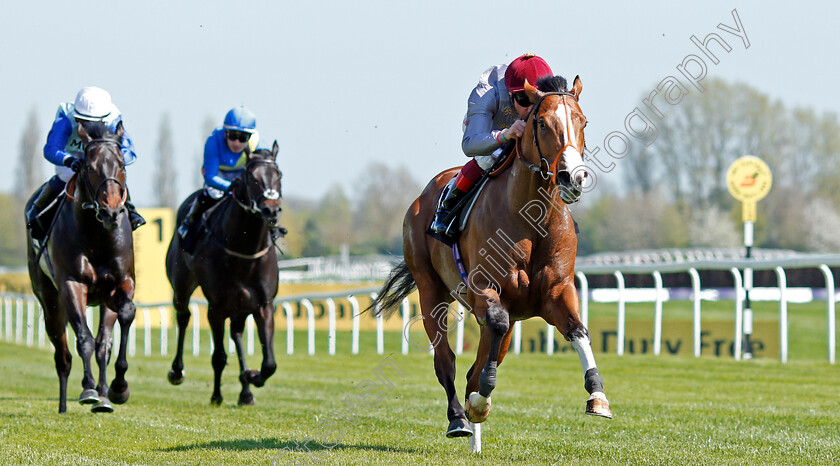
[668,410]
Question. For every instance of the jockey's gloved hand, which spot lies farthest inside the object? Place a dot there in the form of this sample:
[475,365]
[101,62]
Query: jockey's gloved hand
[515,131]
[73,163]
[233,184]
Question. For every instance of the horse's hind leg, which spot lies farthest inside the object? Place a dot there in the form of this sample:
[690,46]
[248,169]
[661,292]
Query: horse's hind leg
[219,359]
[434,304]
[237,325]
[495,335]
[181,303]
[563,313]
[55,325]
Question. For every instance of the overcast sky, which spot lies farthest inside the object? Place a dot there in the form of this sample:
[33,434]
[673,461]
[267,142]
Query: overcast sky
[343,84]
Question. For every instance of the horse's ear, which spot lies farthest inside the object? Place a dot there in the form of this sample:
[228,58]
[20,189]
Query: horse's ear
[120,129]
[274,149]
[83,134]
[534,94]
[577,87]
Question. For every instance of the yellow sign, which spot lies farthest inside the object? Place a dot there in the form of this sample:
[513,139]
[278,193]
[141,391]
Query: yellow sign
[151,242]
[749,180]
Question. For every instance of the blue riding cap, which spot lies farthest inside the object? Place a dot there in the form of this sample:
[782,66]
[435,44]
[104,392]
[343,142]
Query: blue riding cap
[241,119]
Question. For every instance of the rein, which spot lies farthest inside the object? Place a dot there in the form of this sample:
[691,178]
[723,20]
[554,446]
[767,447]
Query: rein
[547,171]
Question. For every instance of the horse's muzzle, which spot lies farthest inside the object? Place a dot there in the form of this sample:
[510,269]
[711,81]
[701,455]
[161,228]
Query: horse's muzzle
[110,217]
[570,191]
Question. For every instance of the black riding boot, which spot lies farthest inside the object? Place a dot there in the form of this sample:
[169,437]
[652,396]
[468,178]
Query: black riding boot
[45,197]
[134,217]
[189,226]
[453,195]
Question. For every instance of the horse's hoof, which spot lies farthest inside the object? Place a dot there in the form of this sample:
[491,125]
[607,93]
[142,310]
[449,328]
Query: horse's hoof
[459,428]
[216,401]
[118,397]
[597,405]
[89,397]
[104,406]
[247,400]
[175,378]
[477,408]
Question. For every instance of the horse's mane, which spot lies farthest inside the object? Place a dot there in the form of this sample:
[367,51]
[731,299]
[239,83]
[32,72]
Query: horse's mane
[552,84]
[98,130]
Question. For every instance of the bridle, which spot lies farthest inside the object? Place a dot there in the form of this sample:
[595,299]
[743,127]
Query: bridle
[269,194]
[93,193]
[548,171]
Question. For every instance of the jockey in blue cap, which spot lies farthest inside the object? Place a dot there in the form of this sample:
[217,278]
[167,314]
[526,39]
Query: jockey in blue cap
[225,154]
[64,149]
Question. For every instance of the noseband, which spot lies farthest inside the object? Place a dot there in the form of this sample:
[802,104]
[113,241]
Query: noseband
[269,194]
[93,193]
[548,171]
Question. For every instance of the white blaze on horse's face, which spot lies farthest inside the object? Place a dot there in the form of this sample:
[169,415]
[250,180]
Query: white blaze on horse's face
[571,155]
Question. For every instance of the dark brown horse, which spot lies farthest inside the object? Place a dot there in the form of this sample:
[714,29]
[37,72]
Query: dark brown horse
[88,259]
[235,264]
[519,249]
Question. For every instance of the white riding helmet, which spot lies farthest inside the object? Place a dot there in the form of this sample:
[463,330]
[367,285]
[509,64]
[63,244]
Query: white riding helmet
[93,104]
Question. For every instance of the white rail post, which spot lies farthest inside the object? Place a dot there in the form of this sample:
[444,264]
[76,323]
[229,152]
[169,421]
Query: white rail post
[695,290]
[132,339]
[657,314]
[739,311]
[30,322]
[290,328]
[619,278]
[3,317]
[164,330]
[549,339]
[354,308]
[250,325]
[406,310]
[331,331]
[584,299]
[459,330]
[18,321]
[7,307]
[147,331]
[380,339]
[89,317]
[42,331]
[829,288]
[783,317]
[310,324]
[196,330]
[517,337]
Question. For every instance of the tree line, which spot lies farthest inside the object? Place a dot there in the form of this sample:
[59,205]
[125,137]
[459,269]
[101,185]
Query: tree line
[671,192]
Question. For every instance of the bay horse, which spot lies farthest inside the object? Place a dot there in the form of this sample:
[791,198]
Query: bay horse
[519,248]
[235,264]
[88,259]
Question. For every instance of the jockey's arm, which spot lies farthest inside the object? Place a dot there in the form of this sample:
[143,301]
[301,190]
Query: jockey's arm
[211,166]
[479,136]
[127,147]
[57,139]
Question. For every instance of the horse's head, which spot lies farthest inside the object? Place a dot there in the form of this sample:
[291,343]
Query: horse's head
[102,176]
[259,186]
[555,125]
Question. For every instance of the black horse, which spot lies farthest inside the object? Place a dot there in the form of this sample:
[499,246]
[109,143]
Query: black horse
[235,264]
[88,259]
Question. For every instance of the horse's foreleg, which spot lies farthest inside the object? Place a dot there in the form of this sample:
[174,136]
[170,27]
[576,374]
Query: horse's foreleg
[265,327]
[182,316]
[219,359]
[564,314]
[107,317]
[126,310]
[74,301]
[237,325]
[494,334]
[55,326]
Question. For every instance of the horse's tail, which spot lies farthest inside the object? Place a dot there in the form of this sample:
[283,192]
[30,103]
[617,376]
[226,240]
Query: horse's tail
[399,285]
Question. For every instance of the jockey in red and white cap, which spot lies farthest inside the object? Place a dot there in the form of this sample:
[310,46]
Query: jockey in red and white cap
[496,110]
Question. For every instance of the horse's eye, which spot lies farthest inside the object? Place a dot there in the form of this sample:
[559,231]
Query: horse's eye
[542,123]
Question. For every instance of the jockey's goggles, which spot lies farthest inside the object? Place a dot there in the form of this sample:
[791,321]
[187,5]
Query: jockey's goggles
[237,135]
[521,98]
